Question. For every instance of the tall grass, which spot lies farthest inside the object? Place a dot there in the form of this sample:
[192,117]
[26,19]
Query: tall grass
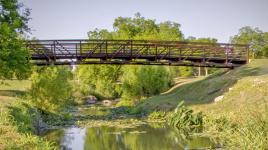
[246,131]
[183,117]
[16,128]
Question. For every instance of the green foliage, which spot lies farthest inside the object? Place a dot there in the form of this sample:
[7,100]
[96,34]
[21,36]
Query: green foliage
[257,39]
[144,81]
[17,126]
[186,71]
[139,28]
[184,117]
[51,88]
[157,116]
[201,40]
[23,116]
[246,133]
[125,102]
[99,80]
[13,53]
[138,82]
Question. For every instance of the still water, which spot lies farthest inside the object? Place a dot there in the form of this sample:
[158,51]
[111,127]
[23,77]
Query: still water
[145,137]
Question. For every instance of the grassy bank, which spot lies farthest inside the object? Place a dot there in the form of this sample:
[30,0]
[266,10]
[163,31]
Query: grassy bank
[240,119]
[16,119]
[204,90]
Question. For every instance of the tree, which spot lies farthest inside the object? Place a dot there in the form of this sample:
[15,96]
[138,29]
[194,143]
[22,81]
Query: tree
[257,39]
[13,53]
[138,81]
[51,88]
[99,80]
[139,28]
[144,81]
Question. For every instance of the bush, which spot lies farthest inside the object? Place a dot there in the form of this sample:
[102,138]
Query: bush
[184,117]
[51,89]
[157,116]
[23,116]
[98,80]
[144,81]
[17,128]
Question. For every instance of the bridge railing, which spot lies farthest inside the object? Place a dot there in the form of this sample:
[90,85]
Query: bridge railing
[84,50]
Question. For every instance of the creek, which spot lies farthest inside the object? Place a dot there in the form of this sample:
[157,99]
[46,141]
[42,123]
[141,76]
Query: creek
[145,136]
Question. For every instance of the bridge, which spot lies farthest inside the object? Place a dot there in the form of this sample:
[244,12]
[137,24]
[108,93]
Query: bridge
[138,52]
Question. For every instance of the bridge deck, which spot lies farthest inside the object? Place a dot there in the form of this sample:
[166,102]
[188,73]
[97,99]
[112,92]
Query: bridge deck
[64,52]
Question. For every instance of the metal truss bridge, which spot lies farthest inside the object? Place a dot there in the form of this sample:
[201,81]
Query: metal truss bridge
[138,52]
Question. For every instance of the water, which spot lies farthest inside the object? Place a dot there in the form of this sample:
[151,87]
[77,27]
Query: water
[146,137]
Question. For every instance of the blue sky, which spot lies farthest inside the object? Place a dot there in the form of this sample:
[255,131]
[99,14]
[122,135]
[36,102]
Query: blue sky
[72,19]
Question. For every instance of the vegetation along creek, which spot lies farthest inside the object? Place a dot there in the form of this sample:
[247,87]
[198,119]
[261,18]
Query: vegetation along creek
[215,98]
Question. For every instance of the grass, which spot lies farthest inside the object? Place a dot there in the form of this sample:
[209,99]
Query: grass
[10,89]
[249,91]
[15,125]
[240,119]
[204,90]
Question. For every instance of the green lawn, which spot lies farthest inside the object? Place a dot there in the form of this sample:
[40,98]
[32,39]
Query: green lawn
[205,90]
[250,91]
[11,89]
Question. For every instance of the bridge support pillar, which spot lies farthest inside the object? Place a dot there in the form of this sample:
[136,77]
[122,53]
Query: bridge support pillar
[202,71]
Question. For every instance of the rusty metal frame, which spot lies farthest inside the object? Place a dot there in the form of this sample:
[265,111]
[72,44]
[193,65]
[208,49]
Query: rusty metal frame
[138,52]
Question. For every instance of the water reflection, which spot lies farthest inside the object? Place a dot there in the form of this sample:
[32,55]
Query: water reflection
[140,138]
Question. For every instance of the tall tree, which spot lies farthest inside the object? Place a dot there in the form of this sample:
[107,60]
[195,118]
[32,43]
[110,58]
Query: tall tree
[138,81]
[257,39]
[13,53]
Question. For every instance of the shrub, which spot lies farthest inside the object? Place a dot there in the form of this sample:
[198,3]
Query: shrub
[51,89]
[23,116]
[17,127]
[157,116]
[144,81]
[184,117]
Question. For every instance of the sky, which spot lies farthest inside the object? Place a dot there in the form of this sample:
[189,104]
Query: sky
[72,19]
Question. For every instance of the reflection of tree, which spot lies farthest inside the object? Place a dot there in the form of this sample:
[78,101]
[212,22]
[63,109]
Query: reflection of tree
[113,139]
[104,138]
[155,138]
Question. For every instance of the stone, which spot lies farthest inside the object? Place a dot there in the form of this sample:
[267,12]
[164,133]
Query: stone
[110,102]
[219,98]
[107,102]
[90,99]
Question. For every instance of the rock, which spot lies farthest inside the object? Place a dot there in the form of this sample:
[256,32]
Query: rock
[219,98]
[109,102]
[230,89]
[90,100]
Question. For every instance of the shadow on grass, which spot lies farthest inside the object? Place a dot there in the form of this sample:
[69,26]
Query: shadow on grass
[12,93]
[22,117]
